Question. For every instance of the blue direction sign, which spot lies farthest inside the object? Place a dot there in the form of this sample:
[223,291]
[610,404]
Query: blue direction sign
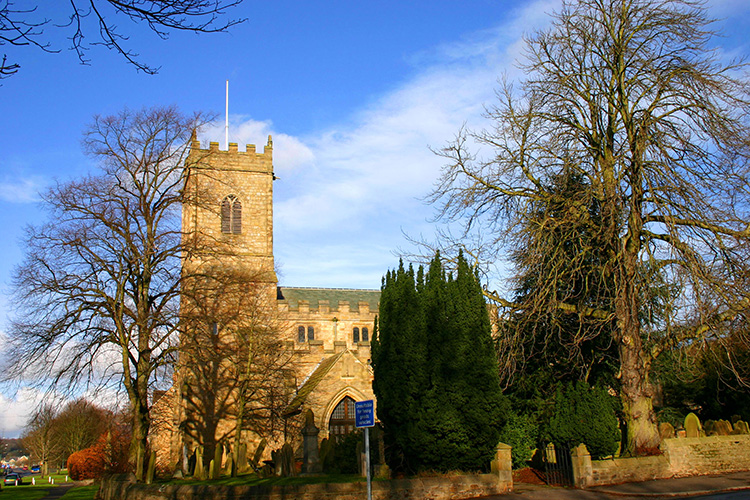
[364,413]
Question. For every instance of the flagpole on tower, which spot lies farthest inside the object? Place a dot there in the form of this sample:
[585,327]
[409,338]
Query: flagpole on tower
[226,120]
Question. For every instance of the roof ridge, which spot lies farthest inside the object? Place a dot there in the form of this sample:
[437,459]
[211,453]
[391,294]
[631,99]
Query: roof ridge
[331,288]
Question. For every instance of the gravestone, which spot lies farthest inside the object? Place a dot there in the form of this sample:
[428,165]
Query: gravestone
[200,471]
[258,454]
[311,456]
[666,430]
[723,428]
[692,426]
[288,468]
[741,427]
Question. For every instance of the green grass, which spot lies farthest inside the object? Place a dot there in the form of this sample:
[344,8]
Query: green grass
[28,492]
[253,479]
[81,493]
[24,492]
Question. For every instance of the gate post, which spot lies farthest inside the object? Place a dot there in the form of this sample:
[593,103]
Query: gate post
[502,465]
[583,474]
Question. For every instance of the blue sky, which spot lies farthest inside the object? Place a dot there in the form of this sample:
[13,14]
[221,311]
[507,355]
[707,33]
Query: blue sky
[354,94]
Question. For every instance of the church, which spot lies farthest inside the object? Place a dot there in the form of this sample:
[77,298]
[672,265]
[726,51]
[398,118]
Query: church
[324,333]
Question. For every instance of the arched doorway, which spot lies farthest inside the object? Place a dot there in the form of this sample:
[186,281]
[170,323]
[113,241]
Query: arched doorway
[342,418]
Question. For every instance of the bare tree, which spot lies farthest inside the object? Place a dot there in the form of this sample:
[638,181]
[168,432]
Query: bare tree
[98,291]
[26,25]
[629,96]
[41,437]
[79,425]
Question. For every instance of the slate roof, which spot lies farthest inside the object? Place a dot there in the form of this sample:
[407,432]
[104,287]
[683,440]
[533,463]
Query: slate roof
[333,295]
[311,383]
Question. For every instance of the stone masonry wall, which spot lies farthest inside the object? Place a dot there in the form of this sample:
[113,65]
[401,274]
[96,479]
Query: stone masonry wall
[626,470]
[682,457]
[435,488]
[708,455]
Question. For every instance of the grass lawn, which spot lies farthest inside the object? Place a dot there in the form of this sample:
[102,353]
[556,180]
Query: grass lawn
[27,491]
[253,479]
[81,492]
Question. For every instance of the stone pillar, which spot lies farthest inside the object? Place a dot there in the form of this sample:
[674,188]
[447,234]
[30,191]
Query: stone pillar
[583,473]
[311,460]
[502,465]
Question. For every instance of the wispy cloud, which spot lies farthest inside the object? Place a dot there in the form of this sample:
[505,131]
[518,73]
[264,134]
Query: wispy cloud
[21,189]
[346,193]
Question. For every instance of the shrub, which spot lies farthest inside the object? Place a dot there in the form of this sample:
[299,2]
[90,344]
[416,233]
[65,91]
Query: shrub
[584,414]
[109,454]
[520,433]
[88,463]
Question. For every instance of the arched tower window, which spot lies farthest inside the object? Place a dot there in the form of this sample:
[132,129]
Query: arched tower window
[310,333]
[300,333]
[231,215]
[342,419]
[355,335]
[365,334]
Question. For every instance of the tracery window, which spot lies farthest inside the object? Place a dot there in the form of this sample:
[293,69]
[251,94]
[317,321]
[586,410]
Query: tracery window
[365,334]
[355,335]
[300,334]
[231,215]
[342,419]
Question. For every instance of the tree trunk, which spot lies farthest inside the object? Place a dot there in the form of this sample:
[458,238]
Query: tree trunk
[238,430]
[636,393]
[637,400]
[139,440]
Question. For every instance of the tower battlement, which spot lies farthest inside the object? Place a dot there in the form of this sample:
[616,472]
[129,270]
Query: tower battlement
[232,158]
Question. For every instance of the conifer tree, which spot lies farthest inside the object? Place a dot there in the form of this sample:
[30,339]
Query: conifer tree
[436,375]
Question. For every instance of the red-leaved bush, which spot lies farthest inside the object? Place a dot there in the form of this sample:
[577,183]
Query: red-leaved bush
[87,464]
[109,454]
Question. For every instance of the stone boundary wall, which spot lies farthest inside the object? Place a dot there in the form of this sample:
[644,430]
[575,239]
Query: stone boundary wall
[682,457]
[436,488]
[708,455]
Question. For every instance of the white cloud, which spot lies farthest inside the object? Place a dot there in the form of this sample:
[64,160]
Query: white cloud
[18,409]
[21,189]
[340,215]
[289,152]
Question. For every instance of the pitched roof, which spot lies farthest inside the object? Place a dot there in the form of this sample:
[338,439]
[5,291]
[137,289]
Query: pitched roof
[311,383]
[333,295]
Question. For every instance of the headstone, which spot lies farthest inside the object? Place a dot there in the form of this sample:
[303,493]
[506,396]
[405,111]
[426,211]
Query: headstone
[200,471]
[259,453]
[215,473]
[311,457]
[327,450]
[666,430]
[151,468]
[723,428]
[242,458]
[741,427]
[288,468]
[709,427]
[362,462]
[229,466]
[692,426]
[276,459]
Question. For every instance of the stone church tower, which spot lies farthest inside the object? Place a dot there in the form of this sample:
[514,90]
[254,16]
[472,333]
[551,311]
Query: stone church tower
[324,333]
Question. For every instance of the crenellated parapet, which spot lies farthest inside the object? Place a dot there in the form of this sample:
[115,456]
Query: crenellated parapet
[232,158]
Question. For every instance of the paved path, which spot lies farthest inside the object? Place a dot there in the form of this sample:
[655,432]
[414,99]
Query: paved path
[733,486]
[57,492]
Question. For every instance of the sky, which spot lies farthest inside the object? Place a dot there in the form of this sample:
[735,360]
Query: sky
[355,94]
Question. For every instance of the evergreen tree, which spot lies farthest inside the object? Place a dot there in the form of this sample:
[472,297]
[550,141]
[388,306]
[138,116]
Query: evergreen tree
[398,354]
[436,377]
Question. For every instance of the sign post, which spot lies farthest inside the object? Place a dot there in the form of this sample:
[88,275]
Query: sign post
[364,413]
